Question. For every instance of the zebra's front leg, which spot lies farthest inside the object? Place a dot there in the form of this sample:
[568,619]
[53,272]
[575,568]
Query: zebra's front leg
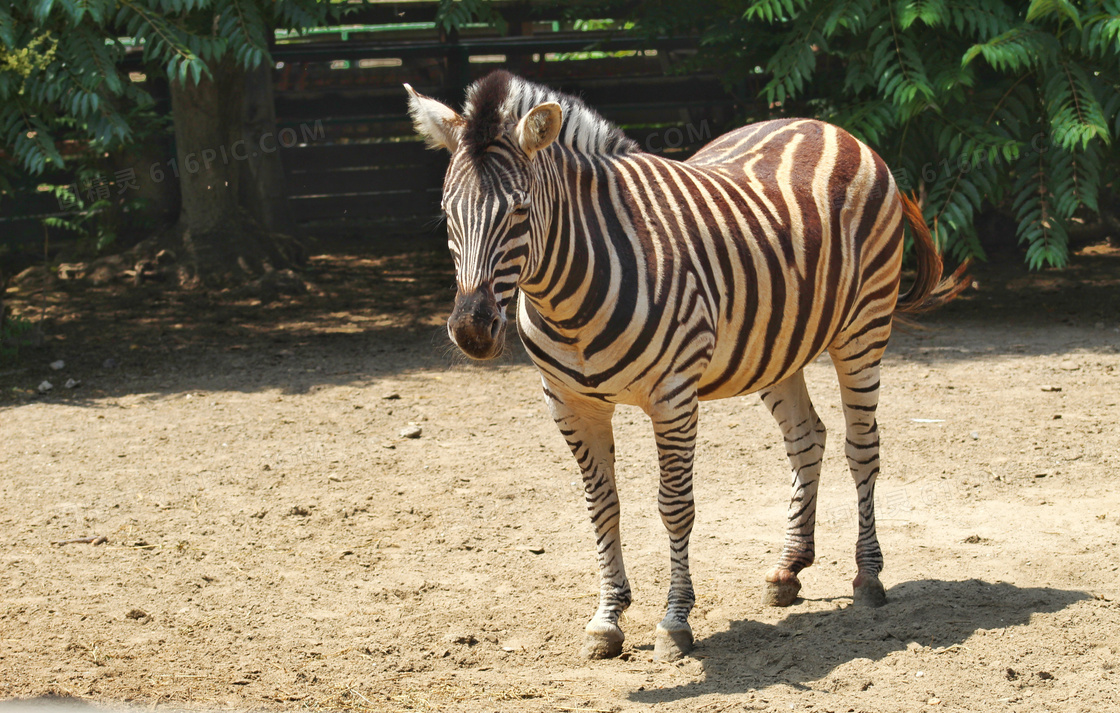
[804,436]
[586,426]
[675,430]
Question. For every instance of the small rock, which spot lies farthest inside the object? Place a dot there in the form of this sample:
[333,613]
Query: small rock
[919,674]
[58,365]
[45,387]
[933,702]
[1045,675]
[1011,674]
[461,638]
[299,511]
[137,614]
[975,435]
[393,396]
[72,383]
[411,431]
[1052,388]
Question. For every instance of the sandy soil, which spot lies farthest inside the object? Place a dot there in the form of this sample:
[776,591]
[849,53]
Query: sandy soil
[274,543]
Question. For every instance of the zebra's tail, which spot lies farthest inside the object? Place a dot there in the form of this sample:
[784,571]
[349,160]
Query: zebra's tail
[929,290]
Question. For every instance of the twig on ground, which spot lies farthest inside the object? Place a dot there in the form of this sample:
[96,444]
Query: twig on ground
[92,540]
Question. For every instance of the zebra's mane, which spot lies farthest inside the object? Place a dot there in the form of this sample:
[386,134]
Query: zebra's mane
[496,102]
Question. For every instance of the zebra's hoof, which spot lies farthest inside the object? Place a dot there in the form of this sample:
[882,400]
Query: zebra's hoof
[781,594]
[672,644]
[867,591]
[602,641]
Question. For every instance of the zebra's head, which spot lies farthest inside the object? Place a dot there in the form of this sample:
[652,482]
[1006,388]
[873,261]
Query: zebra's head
[488,200]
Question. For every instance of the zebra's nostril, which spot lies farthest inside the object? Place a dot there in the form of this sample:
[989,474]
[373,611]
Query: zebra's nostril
[495,328]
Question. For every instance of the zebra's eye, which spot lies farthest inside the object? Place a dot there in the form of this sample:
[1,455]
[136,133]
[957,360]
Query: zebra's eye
[520,208]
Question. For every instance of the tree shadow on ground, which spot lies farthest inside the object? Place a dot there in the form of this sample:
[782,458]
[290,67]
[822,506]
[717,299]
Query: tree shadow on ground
[370,312]
[377,309]
[806,646]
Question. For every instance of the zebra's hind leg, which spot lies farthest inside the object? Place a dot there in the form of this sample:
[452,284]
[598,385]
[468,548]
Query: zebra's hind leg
[859,389]
[586,426]
[674,423]
[804,436]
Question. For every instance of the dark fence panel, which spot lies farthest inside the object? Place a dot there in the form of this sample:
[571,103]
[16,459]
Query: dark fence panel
[366,163]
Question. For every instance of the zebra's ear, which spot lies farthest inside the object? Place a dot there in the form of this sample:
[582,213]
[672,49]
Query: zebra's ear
[539,128]
[440,125]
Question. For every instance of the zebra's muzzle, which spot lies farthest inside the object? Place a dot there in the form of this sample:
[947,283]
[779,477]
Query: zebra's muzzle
[476,324]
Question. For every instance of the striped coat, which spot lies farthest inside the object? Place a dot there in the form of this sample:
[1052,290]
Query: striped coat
[658,283]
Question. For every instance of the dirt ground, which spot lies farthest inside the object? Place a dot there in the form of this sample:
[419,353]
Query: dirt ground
[275,544]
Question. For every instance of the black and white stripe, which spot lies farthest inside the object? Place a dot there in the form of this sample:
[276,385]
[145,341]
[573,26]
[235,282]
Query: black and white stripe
[658,283]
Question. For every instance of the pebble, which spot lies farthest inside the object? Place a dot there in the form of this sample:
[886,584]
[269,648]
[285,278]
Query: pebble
[975,435]
[45,387]
[391,396]
[72,384]
[1051,388]
[411,431]
[58,365]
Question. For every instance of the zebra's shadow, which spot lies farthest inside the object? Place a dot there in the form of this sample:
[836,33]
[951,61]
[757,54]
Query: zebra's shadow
[806,646]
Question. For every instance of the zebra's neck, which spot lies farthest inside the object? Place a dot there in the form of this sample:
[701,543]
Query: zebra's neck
[586,240]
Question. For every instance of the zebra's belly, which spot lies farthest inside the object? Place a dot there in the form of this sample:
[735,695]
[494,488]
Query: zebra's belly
[564,366]
[754,374]
[733,361]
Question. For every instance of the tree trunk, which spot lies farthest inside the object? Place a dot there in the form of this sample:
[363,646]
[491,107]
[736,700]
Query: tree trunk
[221,242]
[261,173]
[207,123]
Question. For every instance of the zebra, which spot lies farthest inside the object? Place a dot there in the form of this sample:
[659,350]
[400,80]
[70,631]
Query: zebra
[657,283]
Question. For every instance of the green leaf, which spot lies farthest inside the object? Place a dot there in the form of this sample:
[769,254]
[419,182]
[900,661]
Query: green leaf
[1076,117]
[1060,9]
[1018,49]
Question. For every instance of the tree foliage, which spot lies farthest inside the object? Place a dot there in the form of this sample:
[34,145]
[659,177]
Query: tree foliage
[60,61]
[1013,104]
